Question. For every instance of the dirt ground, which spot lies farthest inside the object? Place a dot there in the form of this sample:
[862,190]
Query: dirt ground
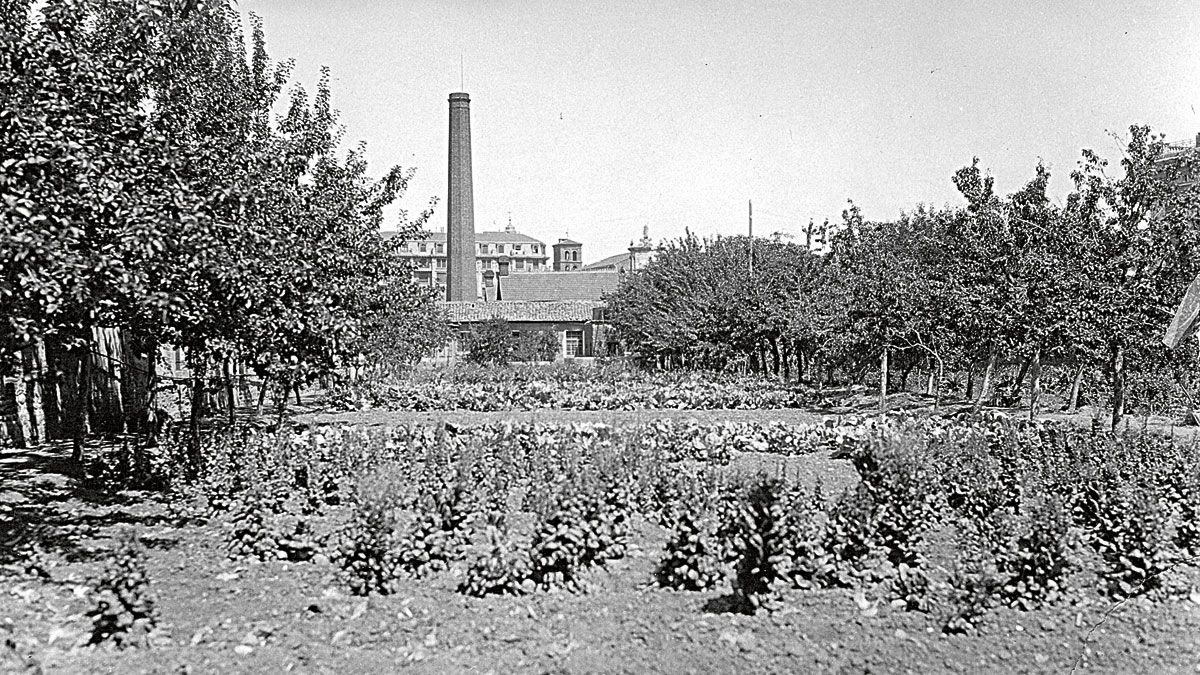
[224,616]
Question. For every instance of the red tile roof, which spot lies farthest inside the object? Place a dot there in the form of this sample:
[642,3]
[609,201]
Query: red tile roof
[558,285]
[570,310]
[611,262]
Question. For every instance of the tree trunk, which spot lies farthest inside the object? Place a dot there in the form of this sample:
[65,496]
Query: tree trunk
[970,381]
[1017,383]
[1076,385]
[154,421]
[774,348]
[1035,382]
[83,395]
[930,382]
[787,365]
[198,373]
[937,386]
[985,384]
[883,380]
[1118,374]
[229,392]
[24,431]
[35,364]
[262,393]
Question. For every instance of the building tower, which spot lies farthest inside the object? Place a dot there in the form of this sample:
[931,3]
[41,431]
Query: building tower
[568,255]
[461,280]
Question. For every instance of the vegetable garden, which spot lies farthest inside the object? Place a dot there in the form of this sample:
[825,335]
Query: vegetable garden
[951,529]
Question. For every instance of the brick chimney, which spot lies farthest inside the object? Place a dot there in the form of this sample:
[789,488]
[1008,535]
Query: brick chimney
[462,284]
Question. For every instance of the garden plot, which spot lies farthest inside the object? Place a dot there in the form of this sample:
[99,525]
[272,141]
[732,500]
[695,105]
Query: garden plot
[668,546]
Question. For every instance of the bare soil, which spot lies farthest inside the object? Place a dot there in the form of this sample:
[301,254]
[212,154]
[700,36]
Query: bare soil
[224,616]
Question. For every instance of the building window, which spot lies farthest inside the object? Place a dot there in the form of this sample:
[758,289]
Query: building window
[422,247]
[520,264]
[500,248]
[439,248]
[574,343]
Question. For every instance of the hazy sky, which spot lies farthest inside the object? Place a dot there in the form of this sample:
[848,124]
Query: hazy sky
[596,118]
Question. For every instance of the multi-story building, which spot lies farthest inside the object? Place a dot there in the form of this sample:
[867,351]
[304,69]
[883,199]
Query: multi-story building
[504,253]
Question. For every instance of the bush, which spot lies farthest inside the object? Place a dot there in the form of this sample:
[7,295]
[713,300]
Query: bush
[503,568]
[124,615]
[436,536]
[689,561]
[250,536]
[1131,538]
[491,342]
[584,530]
[366,553]
[536,345]
[1036,562]
[760,545]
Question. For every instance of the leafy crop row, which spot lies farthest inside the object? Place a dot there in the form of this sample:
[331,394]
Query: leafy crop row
[620,390]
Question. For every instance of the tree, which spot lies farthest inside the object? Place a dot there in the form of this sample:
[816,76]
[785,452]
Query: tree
[491,342]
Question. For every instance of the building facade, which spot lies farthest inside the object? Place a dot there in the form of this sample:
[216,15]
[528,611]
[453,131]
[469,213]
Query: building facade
[504,253]
[579,326]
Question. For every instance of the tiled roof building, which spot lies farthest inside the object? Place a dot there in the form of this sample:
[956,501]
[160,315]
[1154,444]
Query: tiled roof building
[557,286]
[517,311]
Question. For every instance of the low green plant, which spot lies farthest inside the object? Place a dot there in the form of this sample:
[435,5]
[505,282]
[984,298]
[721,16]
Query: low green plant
[689,561]
[760,545]
[1131,539]
[366,553]
[502,568]
[124,614]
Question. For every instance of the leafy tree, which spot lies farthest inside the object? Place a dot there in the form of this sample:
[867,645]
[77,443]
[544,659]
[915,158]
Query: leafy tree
[491,342]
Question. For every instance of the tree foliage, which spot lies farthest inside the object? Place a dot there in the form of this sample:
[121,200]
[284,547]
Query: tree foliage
[147,183]
[1090,284]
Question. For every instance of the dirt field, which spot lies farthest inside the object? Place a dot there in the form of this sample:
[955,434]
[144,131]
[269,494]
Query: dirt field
[224,616]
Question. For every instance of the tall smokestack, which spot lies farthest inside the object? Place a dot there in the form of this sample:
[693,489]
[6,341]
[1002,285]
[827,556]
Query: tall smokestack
[460,206]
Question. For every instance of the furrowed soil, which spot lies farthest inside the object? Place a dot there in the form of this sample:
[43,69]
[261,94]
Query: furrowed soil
[225,616]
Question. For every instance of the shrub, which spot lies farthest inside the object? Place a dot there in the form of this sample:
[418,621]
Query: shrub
[1131,538]
[426,545]
[491,342]
[366,553]
[583,531]
[124,615]
[1035,563]
[503,568]
[689,561]
[536,345]
[900,484]
[760,545]
[251,536]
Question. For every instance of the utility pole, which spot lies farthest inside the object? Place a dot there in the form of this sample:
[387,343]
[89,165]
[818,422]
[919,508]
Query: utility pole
[751,214]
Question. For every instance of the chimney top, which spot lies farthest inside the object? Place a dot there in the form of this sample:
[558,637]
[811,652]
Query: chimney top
[459,96]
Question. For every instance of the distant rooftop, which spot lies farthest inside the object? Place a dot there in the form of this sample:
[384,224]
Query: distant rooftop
[568,310]
[558,285]
[567,242]
[612,261]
